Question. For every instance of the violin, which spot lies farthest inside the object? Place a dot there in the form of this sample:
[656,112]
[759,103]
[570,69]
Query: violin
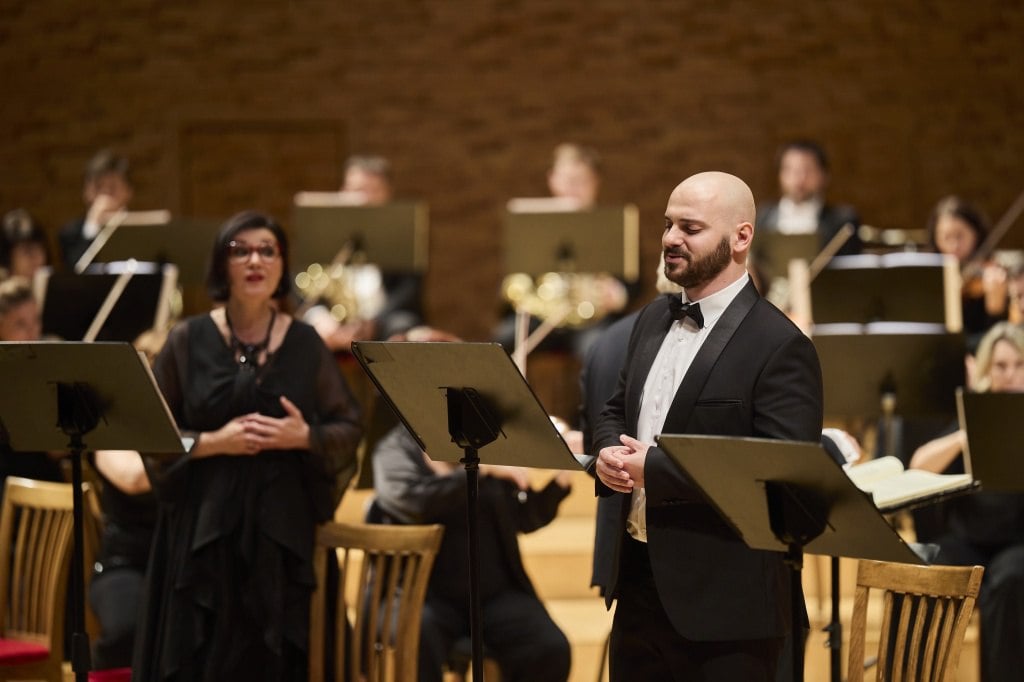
[981,276]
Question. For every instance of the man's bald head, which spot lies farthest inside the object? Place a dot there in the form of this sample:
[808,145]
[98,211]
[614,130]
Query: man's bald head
[731,197]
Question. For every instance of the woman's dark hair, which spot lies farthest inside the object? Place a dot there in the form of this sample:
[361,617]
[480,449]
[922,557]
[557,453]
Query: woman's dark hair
[19,228]
[218,285]
[958,208]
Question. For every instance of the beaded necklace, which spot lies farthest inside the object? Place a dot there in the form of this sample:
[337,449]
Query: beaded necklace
[248,353]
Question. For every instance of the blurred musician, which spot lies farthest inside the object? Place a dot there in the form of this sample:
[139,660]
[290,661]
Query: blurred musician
[803,180]
[957,228]
[397,304]
[107,191]
[19,311]
[575,177]
[987,528]
[20,321]
[23,245]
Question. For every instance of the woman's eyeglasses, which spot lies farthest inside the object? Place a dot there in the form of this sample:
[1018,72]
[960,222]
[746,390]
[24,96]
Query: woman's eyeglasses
[240,252]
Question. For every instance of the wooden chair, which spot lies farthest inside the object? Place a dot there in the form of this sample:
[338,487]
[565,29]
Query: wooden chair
[384,572]
[36,534]
[933,614]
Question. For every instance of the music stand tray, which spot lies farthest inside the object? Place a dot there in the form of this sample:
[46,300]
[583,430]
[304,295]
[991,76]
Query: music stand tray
[922,370]
[732,472]
[71,302]
[995,432]
[184,242]
[773,251]
[604,239]
[393,236]
[413,378]
[895,287]
[60,391]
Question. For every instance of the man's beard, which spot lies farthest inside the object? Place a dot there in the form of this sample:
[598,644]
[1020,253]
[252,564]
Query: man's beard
[701,270]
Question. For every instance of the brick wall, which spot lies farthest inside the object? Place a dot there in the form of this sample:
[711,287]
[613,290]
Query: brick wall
[225,105]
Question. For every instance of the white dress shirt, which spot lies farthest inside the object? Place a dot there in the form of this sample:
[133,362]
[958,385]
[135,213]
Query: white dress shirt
[674,358]
[799,218]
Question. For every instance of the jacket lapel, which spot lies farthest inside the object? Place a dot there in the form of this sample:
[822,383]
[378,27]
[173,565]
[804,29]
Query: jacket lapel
[647,350]
[700,369]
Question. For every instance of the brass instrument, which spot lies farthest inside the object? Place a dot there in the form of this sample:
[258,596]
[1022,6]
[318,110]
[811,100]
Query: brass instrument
[331,286]
[563,299]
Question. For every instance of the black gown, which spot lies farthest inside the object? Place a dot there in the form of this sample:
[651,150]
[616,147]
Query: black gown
[231,568]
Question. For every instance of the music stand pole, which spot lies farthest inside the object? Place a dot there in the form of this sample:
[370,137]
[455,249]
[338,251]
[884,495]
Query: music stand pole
[78,412]
[80,661]
[472,424]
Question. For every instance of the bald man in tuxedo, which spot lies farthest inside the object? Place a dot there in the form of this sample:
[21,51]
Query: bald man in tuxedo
[694,602]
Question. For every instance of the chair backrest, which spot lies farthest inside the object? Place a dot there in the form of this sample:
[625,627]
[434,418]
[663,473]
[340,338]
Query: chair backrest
[384,572]
[925,612]
[36,529]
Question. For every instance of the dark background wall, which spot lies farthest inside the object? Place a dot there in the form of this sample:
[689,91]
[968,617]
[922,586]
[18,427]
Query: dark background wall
[229,105]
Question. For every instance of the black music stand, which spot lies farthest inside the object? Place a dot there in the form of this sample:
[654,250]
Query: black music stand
[393,236]
[466,403]
[772,251]
[788,497]
[601,239]
[895,287]
[995,431]
[901,366]
[110,302]
[157,238]
[57,393]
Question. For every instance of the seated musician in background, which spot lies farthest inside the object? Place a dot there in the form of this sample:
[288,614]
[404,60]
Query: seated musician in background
[19,311]
[23,246]
[106,191]
[129,518]
[19,321]
[803,180]
[574,176]
[957,228]
[394,299]
[987,528]
[518,632]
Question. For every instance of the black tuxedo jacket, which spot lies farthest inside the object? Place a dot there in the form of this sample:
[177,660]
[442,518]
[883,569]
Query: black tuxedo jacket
[830,220]
[755,375]
[73,243]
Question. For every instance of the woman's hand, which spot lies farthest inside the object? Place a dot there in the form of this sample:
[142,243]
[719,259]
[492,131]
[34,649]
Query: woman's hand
[234,438]
[290,432]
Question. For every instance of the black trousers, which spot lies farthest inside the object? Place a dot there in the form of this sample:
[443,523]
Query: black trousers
[114,596]
[518,633]
[1000,603]
[645,645]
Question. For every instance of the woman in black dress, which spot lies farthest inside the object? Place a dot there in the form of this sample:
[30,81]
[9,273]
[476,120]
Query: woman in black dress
[275,431]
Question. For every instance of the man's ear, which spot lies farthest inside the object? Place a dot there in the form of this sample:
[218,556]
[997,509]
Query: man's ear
[742,237]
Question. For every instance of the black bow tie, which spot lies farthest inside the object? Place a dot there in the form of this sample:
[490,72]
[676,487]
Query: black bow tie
[679,310]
